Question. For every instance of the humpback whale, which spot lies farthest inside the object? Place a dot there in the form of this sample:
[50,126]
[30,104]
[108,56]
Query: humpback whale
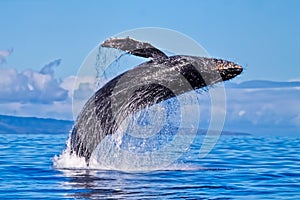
[149,83]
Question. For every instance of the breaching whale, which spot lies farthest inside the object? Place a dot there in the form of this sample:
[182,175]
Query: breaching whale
[159,79]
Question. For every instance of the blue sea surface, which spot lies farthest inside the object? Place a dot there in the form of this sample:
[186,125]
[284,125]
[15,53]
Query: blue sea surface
[239,167]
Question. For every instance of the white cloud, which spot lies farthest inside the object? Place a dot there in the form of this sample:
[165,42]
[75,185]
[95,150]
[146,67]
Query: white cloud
[263,107]
[73,84]
[241,113]
[4,54]
[40,94]
[57,110]
[31,86]
[48,68]
[34,93]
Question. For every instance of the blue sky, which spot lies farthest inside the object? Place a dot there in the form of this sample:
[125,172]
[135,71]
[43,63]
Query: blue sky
[261,35]
[43,44]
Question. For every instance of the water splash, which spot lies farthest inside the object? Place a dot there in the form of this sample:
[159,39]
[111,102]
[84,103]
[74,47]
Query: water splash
[67,160]
[154,145]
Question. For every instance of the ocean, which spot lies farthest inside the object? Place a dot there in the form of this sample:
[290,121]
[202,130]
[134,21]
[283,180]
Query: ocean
[238,167]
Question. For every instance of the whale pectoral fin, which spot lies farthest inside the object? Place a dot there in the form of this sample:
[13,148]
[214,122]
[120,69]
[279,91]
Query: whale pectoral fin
[134,47]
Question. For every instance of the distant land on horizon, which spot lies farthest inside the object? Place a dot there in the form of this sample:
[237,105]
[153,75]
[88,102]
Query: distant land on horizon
[34,125]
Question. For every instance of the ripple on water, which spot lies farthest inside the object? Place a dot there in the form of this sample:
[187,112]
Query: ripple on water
[239,167]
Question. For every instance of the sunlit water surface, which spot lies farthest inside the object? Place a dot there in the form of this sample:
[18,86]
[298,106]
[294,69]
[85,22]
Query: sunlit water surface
[239,167]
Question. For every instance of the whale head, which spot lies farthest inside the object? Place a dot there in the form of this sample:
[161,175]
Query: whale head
[203,71]
[226,69]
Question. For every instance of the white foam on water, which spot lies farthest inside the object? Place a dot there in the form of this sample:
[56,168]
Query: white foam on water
[66,160]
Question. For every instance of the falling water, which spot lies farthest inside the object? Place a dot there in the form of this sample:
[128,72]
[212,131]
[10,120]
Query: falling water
[106,59]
